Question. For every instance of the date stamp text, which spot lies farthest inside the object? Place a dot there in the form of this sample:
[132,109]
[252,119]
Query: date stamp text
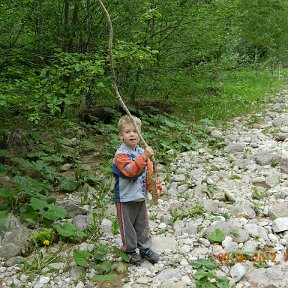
[256,257]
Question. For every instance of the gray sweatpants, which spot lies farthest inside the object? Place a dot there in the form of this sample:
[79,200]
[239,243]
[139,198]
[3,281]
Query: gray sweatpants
[134,225]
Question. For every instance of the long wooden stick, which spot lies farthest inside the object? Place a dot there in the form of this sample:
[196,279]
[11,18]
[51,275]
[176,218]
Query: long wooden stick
[152,179]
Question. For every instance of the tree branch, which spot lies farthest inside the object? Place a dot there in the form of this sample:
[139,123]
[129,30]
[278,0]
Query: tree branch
[118,96]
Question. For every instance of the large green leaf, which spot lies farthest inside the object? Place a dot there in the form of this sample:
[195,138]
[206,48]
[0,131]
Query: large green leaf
[103,267]
[42,166]
[3,217]
[54,158]
[68,229]
[5,153]
[48,211]
[29,215]
[68,185]
[217,236]
[99,255]
[104,278]
[8,193]
[81,257]
[202,274]
[3,170]
[22,162]
[29,185]
[38,154]
[121,254]
[207,263]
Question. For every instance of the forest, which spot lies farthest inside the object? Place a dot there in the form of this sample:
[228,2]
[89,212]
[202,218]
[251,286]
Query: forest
[54,54]
[180,65]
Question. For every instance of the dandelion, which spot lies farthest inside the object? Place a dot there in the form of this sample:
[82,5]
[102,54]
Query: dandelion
[46,242]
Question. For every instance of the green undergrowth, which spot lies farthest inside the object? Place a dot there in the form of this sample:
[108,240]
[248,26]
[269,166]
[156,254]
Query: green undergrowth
[32,183]
[231,94]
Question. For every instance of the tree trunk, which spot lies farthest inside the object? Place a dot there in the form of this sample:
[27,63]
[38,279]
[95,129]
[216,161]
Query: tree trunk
[66,25]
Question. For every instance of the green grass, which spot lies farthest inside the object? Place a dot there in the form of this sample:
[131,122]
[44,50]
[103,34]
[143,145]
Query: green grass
[234,93]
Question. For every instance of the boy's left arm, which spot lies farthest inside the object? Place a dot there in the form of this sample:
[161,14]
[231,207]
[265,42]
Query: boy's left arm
[148,182]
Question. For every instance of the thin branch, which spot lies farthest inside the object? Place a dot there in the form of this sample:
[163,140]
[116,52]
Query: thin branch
[113,74]
[118,96]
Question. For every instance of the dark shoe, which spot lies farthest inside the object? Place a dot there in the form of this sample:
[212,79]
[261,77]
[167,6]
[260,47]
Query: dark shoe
[149,255]
[134,258]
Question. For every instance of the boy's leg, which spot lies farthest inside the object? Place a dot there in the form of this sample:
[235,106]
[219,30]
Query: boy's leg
[143,235]
[141,225]
[127,213]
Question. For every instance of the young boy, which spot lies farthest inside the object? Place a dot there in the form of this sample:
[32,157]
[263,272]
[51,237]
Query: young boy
[130,167]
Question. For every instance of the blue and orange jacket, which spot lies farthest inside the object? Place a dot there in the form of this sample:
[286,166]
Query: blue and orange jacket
[130,169]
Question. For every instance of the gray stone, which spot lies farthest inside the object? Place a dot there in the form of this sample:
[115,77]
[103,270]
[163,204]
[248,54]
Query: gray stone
[210,205]
[65,167]
[280,224]
[234,147]
[200,252]
[11,223]
[281,136]
[106,227]
[14,261]
[58,266]
[160,243]
[250,246]
[76,273]
[82,222]
[230,247]
[229,196]
[256,231]
[178,226]
[278,210]
[9,250]
[284,129]
[280,120]
[238,271]
[284,165]
[243,211]
[179,177]
[41,282]
[182,188]
[190,228]
[273,277]
[20,237]
[172,284]
[167,274]
[266,158]
[73,209]
[227,227]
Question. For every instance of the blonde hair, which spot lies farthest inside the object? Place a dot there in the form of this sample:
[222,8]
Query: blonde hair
[126,120]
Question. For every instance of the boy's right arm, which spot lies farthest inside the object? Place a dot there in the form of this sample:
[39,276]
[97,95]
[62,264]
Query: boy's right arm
[129,167]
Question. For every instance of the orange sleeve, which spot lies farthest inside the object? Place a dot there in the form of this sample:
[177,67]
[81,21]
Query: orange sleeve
[129,167]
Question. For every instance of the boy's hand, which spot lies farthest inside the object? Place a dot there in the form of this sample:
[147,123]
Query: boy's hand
[148,152]
[158,192]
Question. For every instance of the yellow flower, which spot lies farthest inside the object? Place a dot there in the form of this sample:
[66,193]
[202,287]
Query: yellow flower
[141,57]
[46,242]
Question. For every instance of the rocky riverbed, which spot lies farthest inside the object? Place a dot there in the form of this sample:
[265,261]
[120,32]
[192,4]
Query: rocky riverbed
[236,186]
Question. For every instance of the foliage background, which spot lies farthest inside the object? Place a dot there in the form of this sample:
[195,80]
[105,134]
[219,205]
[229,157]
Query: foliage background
[54,53]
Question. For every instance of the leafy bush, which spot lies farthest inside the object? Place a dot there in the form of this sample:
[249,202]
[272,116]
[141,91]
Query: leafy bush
[206,277]
[102,265]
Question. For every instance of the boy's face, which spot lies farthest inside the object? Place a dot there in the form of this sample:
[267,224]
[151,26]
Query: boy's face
[129,135]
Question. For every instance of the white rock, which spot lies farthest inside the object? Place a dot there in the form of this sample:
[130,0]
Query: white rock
[280,224]
[238,271]
[162,226]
